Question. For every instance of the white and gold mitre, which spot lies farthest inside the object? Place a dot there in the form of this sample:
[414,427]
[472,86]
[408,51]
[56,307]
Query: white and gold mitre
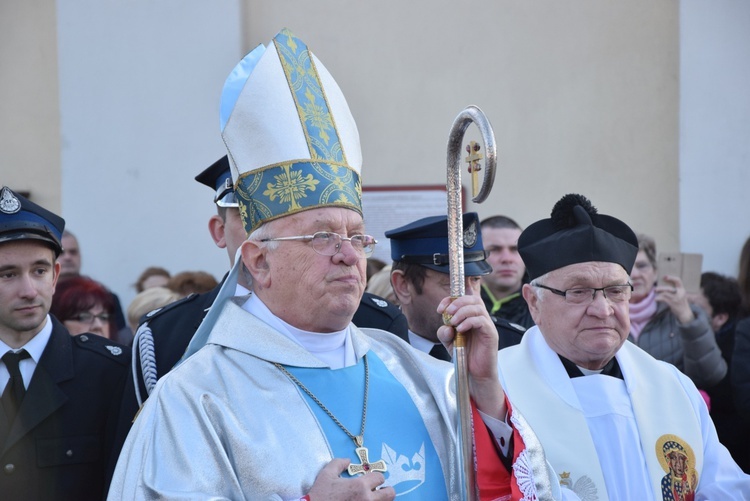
[292,142]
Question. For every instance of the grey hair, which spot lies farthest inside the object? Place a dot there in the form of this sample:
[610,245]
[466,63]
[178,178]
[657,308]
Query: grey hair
[262,232]
[538,291]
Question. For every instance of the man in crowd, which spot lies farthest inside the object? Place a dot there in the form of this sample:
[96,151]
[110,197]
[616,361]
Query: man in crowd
[501,288]
[59,400]
[614,422]
[421,278]
[286,399]
[162,339]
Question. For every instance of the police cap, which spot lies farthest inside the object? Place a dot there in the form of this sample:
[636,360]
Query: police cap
[425,242]
[22,219]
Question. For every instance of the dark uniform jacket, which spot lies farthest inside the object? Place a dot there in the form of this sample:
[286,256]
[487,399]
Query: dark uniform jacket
[174,325]
[377,313]
[509,333]
[59,443]
[514,310]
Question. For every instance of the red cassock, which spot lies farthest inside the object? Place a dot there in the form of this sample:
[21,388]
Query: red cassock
[495,482]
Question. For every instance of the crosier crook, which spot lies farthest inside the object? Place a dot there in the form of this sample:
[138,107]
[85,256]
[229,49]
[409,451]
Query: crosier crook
[456,257]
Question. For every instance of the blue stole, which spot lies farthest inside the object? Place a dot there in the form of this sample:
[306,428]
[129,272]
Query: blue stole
[394,431]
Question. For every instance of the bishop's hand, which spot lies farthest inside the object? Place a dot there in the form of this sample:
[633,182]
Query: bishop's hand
[329,486]
[469,316]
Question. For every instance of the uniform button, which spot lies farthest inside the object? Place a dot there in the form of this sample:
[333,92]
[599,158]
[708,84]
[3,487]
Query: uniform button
[69,453]
[84,338]
[502,441]
[9,468]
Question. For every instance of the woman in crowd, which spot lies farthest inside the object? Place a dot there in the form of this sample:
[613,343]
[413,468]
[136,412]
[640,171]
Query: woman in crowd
[84,305]
[149,300]
[663,323]
[192,282]
[153,276]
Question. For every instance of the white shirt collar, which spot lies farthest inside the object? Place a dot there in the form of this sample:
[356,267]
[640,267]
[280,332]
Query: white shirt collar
[35,347]
[333,348]
[420,343]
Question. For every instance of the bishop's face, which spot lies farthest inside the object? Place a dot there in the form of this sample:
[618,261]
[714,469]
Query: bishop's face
[305,289]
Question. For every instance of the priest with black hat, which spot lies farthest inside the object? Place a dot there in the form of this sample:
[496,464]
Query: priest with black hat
[59,392]
[614,422]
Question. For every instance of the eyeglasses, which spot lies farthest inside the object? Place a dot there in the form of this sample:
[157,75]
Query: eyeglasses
[327,243]
[586,295]
[88,318]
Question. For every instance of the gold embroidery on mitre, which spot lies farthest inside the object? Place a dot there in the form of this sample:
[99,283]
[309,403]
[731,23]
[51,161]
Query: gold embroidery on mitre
[290,186]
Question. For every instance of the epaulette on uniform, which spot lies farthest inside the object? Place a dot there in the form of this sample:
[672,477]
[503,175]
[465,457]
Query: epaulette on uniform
[520,329]
[164,309]
[103,346]
[373,302]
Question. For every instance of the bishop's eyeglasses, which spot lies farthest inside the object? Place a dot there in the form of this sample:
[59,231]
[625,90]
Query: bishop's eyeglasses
[586,295]
[327,243]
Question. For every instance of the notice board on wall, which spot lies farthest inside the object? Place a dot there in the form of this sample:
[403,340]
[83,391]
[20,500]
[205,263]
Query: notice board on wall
[389,207]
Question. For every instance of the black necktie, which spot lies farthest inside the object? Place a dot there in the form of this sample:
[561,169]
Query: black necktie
[438,351]
[14,390]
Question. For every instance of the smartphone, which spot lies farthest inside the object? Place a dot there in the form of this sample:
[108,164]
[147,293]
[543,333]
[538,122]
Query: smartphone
[684,265]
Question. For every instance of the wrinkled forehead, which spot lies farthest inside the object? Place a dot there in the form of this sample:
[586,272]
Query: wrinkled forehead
[323,219]
[593,272]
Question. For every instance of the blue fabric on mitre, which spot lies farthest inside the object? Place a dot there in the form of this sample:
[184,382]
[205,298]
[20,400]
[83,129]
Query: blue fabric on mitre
[285,189]
[236,81]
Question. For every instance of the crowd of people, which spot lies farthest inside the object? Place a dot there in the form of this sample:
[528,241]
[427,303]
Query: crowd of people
[589,379]
[86,305]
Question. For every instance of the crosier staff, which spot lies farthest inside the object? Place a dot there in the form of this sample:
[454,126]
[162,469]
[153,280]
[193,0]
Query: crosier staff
[456,260]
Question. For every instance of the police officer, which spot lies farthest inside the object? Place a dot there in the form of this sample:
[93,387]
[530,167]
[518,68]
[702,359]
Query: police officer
[421,278]
[60,391]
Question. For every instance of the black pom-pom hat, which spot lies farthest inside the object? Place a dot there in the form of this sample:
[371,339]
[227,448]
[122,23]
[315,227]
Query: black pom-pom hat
[576,233]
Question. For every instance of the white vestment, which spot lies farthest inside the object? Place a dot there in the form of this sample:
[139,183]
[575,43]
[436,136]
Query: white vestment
[605,437]
[228,424]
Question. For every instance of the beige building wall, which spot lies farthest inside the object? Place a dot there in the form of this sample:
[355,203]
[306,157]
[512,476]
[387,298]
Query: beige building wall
[29,104]
[583,94]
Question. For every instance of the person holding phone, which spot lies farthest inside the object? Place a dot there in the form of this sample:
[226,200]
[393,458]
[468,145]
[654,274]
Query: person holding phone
[667,326]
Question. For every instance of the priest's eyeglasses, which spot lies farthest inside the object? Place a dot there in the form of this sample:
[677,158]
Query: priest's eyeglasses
[327,243]
[586,295]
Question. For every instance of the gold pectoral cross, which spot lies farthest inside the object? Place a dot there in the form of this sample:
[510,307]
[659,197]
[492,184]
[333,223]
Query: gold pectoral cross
[473,160]
[364,457]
